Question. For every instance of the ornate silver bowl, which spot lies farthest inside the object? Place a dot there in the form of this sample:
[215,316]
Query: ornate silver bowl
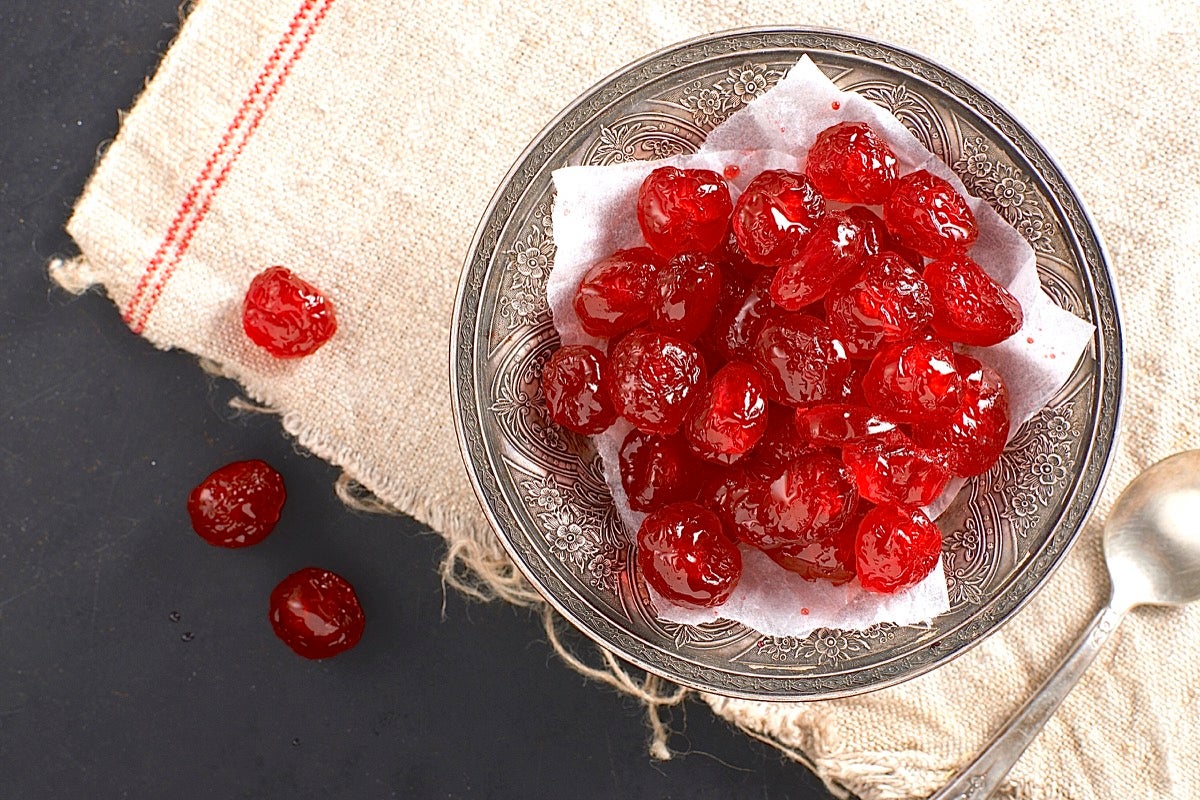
[541,486]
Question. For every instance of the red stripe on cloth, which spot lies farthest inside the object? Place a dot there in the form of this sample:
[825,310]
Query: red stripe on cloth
[203,190]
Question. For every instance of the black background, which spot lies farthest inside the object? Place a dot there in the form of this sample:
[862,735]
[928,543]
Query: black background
[136,661]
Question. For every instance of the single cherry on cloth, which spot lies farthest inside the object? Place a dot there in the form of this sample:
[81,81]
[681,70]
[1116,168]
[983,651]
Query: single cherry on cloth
[916,383]
[834,248]
[896,548]
[658,470]
[975,435]
[683,210]
[811,497]
[969,306]
[286,315]
[316,613]
[685,295]
[892,468]
[801,359]
[850,163]
[237,505]
[573,383]
[684,555]
[729,418]
[775,214]
[887,301]
[653,380]
[618,292]
[926,214]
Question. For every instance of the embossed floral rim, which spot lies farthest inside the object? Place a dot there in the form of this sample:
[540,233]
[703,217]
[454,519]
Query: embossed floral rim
[1040,496]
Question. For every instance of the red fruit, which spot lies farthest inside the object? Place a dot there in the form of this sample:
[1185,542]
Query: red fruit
[685,556]
[877,239]
[780,444]
[813,496]
[736,495]
[838,423]
[834,248]
[926,214]
[800,359]
[316,613]
[893,469]
[830,557]
[915,383]
[887,302]
[573,382]
[774,215]
[658,470]
[653,380]
[968,306]
[850,163]
[686,293]
[737,320]
[618,293]
[683,210]
[286,315]
[730,417]
[734,264]
[975,435]
[896,548]
[238,505]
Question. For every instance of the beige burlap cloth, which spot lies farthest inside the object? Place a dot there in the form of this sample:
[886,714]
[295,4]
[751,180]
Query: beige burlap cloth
[359,141]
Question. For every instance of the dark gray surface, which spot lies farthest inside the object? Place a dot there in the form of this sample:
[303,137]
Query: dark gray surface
[102,692]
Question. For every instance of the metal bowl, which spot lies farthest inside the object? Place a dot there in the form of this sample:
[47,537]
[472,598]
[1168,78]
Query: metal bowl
[541,486]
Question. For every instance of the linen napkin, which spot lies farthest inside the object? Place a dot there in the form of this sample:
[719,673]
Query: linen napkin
[358,142]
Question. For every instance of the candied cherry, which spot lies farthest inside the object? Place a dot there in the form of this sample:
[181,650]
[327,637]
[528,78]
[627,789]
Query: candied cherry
[915,382]
[886,302]
[976,433]
[896,548]
[877,239]
[834,248]
[316,613]
[685,556]
[850,163]
[801,359]
[729,418]
[653,380]
[573,383]
[829,557]
[286,315]
[657,470]
[618,292]
[812,496]
[238,504]
[927,215]
[968,305]
[686,293]
[892,468]
[683,210]
[737,320]
[774,215]
[838,423]
[736,495]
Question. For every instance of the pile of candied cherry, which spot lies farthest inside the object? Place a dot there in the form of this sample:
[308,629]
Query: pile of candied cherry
[787,363]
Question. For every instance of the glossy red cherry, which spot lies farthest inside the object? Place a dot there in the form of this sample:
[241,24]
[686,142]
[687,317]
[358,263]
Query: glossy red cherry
[573,383]
[286,315]
[316,613]
[683,210]
[926,214]
[896,548]
[893,469]
[684,555]
[801,359]
[729,418]
[975,434]
[916,383]
[686,292]
[736,496]
[829,557]
[850,163]
[653,380]
[834,424]
[968,305]
[877,239]
[834,248]
[618,292]
[658,470]
[774,215]
[737,320]
[812,496]
[886,302]
[238,505]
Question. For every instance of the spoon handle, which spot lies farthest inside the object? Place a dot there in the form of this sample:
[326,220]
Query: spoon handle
[983,776]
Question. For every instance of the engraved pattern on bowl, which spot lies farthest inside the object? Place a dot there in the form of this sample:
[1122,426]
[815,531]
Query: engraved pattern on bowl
[542,488]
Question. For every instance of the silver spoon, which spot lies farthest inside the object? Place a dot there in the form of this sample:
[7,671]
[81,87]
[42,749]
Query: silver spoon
[1152,548]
